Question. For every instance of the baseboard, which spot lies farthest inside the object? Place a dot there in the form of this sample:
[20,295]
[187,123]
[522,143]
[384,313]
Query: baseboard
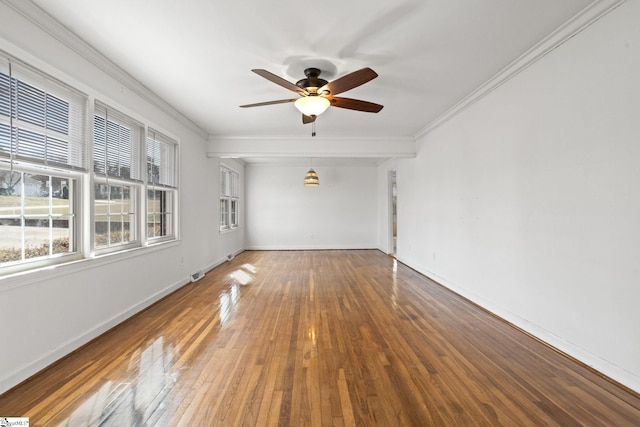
[70,346]
[607,369]
[222,260]
[309,247]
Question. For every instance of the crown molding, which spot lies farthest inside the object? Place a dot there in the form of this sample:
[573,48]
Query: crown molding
[403,139]
[318,162]
[64,35]
[573,26]
[238,155]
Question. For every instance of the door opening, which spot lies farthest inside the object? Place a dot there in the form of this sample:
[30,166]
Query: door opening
[393,213]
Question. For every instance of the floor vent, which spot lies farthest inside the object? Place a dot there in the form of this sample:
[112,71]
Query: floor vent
[197,276]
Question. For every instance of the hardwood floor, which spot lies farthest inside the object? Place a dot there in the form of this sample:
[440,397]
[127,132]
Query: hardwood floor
[317,338]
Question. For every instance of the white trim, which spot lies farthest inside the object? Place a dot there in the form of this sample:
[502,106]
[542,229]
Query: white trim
[310,247]
[315,139]
[228,230]
[573,26]
[221,261]
[315,154]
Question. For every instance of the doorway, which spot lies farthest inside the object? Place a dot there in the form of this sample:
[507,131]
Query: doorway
[393,213]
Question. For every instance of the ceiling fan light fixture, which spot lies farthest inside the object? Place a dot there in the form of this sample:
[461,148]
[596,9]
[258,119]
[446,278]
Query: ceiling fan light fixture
[312,105]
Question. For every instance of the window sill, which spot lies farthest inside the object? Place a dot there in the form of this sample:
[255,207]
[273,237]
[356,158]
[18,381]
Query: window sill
[38,275]
[229,230]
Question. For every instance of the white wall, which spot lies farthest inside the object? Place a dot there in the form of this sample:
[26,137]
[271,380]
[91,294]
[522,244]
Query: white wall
[48,313]
[528,202]
[283,214]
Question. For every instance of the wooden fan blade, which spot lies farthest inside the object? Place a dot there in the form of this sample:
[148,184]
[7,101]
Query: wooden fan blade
[355,104]
[349,81]
[260,104]
[279,81]
[308,119]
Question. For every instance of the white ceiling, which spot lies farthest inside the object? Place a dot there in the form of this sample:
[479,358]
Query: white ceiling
[197,54]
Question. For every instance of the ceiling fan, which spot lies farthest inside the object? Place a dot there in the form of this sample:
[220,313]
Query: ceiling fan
[317,94]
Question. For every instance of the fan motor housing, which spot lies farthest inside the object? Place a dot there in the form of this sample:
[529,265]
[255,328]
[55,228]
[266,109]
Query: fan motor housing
[313,80]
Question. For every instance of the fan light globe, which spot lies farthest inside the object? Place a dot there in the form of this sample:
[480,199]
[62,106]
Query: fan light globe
[312,105]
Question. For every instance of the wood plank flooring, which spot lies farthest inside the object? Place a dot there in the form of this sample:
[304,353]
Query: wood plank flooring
[317,338]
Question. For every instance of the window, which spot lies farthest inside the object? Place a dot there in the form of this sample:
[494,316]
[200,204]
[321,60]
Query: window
[46,174]
[161,185]
[114,215]
[37,216]
[116,160]
[229,198]
[43,153]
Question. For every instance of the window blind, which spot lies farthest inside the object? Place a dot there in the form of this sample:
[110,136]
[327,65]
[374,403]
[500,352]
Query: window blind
[41,119]
[116,144]
[161,159]
[229,183]
[225,182]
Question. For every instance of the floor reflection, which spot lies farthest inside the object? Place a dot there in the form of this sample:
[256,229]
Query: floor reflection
[91,411]
[229,298]
[394,285]
[129,404]
[244,275]
[228,303]
[250,268]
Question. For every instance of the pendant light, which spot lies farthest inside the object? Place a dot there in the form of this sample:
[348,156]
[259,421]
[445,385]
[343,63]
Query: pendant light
[311,178]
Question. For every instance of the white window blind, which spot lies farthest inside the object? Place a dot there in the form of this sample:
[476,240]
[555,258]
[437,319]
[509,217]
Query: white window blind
[116,144]
[41,119]
[161,159]
[235,188]
[229,183]
[225,189]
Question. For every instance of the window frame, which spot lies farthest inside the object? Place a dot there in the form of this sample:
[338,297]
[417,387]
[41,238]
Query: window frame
[133,215]
[48,118]
[108,167]
[165,182]
[74,217]
[229,192]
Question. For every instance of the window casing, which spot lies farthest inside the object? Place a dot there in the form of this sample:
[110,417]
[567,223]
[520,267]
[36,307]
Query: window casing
[43,154]
[229,199]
